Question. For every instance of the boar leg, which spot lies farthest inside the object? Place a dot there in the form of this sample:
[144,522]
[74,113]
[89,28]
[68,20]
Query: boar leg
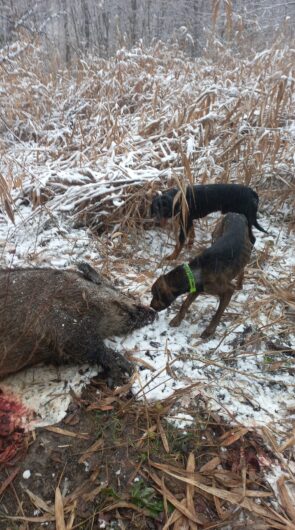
[84,344]
[113,363]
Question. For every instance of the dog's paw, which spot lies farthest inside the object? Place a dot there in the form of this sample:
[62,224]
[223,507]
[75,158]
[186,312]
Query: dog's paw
[169,258]
[175,322]
[173,256]
[207,333]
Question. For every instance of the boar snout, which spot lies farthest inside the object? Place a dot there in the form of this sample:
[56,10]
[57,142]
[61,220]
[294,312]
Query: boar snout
[144,315]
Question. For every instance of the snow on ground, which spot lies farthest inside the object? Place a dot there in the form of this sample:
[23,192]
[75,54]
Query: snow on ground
[128,121]
[245,371]
[45,390]
[231,368]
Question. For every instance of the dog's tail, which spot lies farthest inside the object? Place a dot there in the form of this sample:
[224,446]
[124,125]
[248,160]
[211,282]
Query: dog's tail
[259,227]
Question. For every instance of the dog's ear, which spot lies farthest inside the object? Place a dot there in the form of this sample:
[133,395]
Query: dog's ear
[167,289]
[162,294]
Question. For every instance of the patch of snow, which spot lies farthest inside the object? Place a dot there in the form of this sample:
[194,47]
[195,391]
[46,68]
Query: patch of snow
[231,368]
[46,390]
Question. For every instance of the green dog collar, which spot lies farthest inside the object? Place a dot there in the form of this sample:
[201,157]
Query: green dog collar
[190,278]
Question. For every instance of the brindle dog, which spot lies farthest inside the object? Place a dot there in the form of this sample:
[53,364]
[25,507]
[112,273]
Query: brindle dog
[201,200]
[211,272]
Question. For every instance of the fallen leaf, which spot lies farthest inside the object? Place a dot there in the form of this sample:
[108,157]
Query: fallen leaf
[92,449]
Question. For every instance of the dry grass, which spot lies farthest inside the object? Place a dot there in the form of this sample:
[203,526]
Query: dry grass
[206,475]
[95,144]
[226,120]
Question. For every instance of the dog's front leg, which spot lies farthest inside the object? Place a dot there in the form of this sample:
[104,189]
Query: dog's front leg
[175,252]
[183,310]
[223,303]
[180,243]
[191,236]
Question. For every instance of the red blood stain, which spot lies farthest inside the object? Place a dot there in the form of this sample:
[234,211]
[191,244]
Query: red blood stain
[14,417]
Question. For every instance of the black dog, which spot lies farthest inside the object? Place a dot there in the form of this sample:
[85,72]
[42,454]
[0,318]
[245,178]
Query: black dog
[202,200]
[211,272]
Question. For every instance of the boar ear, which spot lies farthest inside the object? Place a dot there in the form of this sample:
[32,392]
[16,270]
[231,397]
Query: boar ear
[89,272]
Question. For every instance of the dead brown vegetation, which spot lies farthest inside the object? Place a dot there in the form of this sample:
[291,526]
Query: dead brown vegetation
[94,144]
[205,475]
[225,119]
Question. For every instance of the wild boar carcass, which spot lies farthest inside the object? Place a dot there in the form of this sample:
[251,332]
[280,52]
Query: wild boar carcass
[61,316]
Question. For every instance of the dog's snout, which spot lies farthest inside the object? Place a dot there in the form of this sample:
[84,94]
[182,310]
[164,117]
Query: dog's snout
[157,305]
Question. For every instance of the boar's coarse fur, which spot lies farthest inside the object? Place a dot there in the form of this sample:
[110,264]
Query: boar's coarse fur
[60,316]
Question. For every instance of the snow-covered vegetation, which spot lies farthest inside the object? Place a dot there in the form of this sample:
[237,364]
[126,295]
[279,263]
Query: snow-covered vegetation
[83,151]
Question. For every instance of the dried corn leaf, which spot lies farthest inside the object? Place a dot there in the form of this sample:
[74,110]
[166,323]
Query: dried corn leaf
[231,437]
[64,432]
[147,433]
[211,465]
[286,500]
[128,506]
[172,499]
[39,503]
[181,524]
[287,444]
[190,490]
[8,480]
[174,517]
[89,497]
[72,517]
[163,436]
[233,498]
[92,449]
[59,511]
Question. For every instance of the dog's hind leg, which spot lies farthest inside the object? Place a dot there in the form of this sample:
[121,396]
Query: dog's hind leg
[223,303]
[183,310]
[251,235]
[240,279]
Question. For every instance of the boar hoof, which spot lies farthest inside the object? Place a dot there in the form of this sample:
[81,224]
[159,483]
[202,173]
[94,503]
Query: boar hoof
[89,273]
[116,367]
